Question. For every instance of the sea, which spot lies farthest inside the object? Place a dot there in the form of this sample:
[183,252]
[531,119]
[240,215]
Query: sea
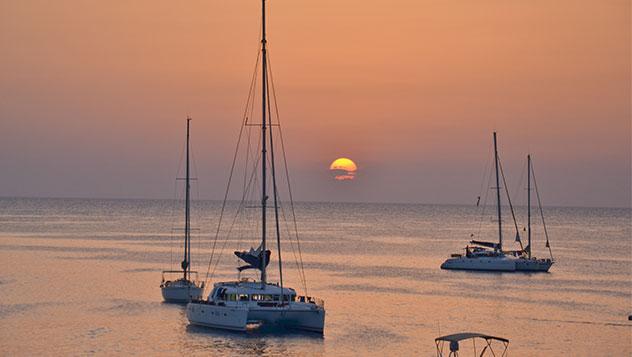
[81,277]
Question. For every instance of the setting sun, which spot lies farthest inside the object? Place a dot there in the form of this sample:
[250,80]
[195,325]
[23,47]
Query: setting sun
[343,169]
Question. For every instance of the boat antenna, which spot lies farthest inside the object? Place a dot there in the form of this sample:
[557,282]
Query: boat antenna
[500,223]
[264,196]
[529,205]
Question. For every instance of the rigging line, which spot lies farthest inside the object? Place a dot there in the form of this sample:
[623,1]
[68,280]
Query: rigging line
[172,215]
[196,186]
[247,157]
[247,215]
[291,241]
[245,183]
[248,194]
[502,173]
[175,203]
[244,121]
[484,179]
[537,193]
[239,210]
[287,173]
[289,234]
[232,168]
[250,105]
[484,208]
[276,196]
[480,191]
[520,183]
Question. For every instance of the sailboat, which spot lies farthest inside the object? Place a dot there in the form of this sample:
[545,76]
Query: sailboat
[187,287]
[485,256]
[526,262]
[240,304]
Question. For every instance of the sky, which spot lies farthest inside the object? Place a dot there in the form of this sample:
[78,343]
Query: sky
[94,96]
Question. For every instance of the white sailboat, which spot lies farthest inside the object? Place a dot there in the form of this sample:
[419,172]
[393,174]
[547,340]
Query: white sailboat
[485,256]
[234,305]
[526,262]
[186,288]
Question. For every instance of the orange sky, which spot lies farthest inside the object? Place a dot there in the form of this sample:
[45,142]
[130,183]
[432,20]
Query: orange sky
[94,95]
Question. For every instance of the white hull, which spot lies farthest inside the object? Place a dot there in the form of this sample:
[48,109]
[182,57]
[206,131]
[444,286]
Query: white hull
[303,319]
[533,265]
[302,316]
[480,264]
[216,316]
[181,294]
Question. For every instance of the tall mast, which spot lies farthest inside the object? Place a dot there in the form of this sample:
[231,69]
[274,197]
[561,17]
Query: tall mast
[529,204]
[264,197]
[500,223]
[186,265]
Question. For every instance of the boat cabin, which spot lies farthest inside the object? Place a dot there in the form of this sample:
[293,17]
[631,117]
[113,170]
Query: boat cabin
[252,293]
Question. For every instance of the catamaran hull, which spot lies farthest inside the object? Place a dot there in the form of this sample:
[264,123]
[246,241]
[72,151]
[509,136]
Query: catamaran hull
[533,265]
[216,316]
[308,320]
[181,294]
[479,264]
[237,317]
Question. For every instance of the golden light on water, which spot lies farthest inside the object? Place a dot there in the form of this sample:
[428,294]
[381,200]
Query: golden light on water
[343,169]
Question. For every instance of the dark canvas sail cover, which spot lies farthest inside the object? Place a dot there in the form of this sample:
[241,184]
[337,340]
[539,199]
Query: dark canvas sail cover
[485,244]
[253,257]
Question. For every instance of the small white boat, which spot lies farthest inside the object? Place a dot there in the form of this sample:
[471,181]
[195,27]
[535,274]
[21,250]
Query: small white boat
[482,259]
[236,305]
[186,288]
[181,290]
[485,256]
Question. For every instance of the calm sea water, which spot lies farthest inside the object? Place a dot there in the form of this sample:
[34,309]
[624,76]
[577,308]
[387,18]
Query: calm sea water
[81,277]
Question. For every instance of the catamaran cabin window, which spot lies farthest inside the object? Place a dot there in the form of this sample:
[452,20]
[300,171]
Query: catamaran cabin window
[244,297]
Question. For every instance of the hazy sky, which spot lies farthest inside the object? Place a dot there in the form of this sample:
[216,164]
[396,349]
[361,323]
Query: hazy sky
[94,95]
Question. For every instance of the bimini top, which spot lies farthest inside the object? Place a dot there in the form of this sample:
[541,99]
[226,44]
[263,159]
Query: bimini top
[467,335]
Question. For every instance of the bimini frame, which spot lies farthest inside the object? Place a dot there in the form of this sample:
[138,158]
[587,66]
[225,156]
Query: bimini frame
[456,338]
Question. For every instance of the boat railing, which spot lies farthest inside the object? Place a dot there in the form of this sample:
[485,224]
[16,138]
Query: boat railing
[171,273]
[312,300]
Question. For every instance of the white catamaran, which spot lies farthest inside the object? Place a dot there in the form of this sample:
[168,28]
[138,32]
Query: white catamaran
[245,302]
[187,287]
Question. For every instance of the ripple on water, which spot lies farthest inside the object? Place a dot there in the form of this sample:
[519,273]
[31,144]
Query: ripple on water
[8,310]
[96,332]
[126,307]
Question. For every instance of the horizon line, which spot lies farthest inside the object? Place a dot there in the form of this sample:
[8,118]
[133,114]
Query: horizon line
[296,201]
